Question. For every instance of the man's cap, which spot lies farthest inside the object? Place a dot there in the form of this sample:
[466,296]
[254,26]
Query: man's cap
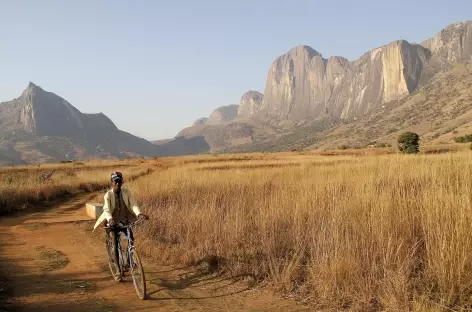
[116,176]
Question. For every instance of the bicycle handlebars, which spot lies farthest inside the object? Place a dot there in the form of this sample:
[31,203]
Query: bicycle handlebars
[124,226]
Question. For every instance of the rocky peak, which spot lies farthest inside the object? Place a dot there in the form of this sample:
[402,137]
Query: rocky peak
[303,50]
[223,114]
[292,81]
[200,121]
[302,84]
[32,85]
[452,44]
[250,103]
[30,89]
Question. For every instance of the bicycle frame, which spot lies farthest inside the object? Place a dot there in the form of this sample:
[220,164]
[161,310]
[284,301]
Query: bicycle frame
[119,229]
[130,247]
[133,260]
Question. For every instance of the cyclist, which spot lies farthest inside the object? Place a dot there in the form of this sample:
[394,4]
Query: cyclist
[119,208]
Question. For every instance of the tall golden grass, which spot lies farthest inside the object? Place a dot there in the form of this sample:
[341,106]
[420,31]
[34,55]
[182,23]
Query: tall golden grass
[389,232]
[22,187]
[382,233]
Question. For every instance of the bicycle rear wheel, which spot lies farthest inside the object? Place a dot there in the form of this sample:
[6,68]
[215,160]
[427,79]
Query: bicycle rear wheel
[137,274]
[114,267]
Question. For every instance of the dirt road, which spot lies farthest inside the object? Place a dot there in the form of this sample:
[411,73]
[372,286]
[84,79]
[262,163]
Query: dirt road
[54,263]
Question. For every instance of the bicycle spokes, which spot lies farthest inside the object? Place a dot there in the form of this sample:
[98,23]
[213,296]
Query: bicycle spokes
[126,258]
[137,274]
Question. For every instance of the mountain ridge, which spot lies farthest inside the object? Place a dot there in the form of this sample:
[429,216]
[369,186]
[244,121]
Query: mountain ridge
[40,126]
[308,102]
[303,86]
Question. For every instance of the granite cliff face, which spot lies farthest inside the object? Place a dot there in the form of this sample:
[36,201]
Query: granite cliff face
[453,44]
[250,103]
[302,84]
[303,87]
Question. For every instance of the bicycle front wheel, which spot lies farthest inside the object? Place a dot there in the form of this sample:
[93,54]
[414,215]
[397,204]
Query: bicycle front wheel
[137,274]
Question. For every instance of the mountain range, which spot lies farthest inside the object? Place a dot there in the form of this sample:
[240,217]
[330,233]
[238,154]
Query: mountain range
[309,102]
[309,99]
[40,126]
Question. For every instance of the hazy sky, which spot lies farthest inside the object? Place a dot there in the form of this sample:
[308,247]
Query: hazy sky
[156,66]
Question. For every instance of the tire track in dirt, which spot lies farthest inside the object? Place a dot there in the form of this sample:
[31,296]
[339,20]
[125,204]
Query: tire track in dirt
[55,263]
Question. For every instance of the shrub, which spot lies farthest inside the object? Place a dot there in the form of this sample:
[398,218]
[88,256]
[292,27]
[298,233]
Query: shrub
[464,139]
[408,143]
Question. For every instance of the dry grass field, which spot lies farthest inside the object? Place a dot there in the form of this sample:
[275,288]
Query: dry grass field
[364,233]
[387,232]
[24,186]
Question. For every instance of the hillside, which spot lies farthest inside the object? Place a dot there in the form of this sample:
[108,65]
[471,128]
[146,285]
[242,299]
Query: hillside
[438,112]
[311,101]
[40,126]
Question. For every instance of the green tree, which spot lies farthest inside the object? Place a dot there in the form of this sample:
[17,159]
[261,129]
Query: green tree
[408,143]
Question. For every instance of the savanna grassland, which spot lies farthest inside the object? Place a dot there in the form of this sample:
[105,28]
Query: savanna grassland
[346,232]
[22,187]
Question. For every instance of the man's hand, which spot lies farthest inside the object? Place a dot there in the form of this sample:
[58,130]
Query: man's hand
[111,223]
[142,217]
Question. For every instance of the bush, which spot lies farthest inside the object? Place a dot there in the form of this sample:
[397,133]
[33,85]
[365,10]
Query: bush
[408,143]
[464,139]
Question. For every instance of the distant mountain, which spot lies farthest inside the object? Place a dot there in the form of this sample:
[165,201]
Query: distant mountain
[40,126]
[438,112]
[306,94]
[219,116]
[309,102]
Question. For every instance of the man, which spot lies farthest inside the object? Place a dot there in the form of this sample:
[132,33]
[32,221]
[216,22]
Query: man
[119,207]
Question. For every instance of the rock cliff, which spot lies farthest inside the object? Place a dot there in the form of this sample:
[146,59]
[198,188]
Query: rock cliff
[250,103]
[453,44]
[302,84]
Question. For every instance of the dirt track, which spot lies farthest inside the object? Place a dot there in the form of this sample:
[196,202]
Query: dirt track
[55,263]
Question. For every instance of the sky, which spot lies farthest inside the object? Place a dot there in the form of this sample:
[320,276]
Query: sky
[154,67]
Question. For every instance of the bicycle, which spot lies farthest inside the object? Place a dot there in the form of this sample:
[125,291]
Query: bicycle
[118,270]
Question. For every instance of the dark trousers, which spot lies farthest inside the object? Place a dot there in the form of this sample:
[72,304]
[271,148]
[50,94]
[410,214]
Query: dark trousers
[113,234]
